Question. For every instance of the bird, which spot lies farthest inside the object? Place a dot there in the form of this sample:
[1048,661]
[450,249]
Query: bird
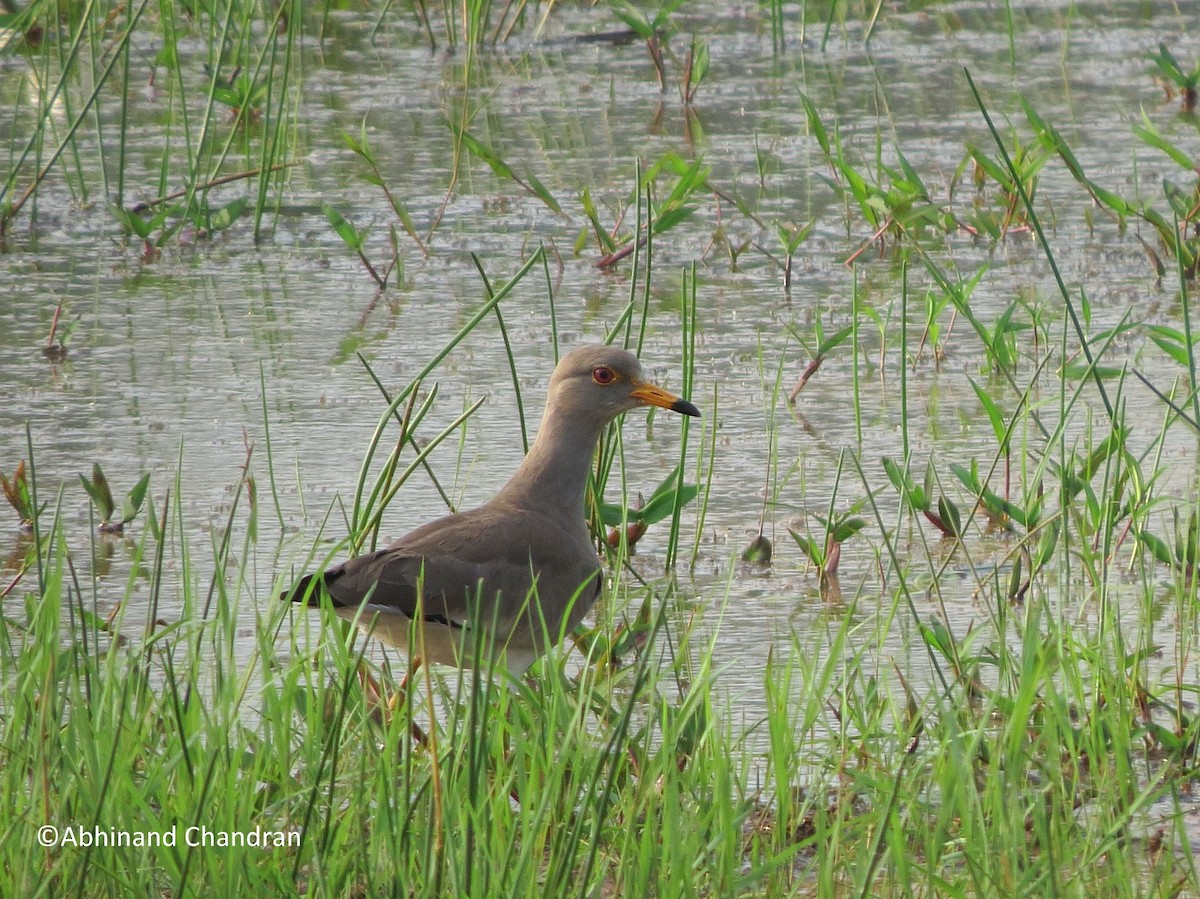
[509,579]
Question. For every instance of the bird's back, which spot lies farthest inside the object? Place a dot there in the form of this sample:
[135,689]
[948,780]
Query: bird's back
[453,572]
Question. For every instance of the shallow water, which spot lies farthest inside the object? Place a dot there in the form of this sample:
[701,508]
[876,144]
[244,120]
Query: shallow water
[175,360]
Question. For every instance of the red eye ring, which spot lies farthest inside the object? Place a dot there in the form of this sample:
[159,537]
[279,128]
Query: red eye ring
[602,374]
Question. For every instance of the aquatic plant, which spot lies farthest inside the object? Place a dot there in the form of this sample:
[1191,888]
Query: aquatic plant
[1175,229]
[244,96]
[1173,75]
[250,72]
[528,183]
[919,498]
[1028,159]
[19,495]
[824,551]
[1182,554]
[100,494]
[695,68]
[356,239]
[636,518]
[826,344]
[893,200]
[652,26]
[677,206]
[790,237]
[60,335]
[361,147]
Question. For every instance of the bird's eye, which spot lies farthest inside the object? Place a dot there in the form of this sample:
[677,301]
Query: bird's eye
[602,374]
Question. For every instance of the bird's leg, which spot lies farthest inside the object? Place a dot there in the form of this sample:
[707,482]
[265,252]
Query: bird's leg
[382,705]
[372,694]
[414,665]
[401,697]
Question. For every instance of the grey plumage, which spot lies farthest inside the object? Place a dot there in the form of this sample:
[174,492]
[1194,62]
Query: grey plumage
[519,572]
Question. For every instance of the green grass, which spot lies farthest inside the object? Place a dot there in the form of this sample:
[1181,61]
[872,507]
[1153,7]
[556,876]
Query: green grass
[1020,770]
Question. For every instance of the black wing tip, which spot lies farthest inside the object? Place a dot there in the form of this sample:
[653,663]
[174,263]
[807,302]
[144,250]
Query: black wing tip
[307,591]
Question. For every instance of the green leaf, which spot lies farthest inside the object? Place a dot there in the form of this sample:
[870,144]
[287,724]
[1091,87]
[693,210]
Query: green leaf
[1150,136]
[541,193]
[995,416]
[1046,545]
[913,495]
[1167,65]
[669,162]
[67,329]
[659,506]
[1108,447]
[96,496]
[791,236]
[694,176]
[993,169]
[936,636]
[484,152]
[1179,199]
[844,530]
[1114,202]
[133,502]
[700,62]
[968,476]
[829,344]
[1158,548]
[228,214]
[344,229]
[809,548]
[662,505]
[358,146]
[1014,581]
[631,17]
[1177,352]
[402,213]
[996,506]
[100,493]
[1173,334]
[132,223]
[665,8]
[815,125]
[155,530]
[671,218]
[950,516]
[589,209]
[910,175]
[1081,371]
[612,514]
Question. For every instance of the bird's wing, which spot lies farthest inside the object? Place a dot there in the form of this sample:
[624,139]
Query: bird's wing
[460,564]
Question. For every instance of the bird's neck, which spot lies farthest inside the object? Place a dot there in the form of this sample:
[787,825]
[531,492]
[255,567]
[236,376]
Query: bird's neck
[553,477]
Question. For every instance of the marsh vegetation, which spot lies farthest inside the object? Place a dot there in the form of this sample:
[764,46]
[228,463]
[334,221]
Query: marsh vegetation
[912,610]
